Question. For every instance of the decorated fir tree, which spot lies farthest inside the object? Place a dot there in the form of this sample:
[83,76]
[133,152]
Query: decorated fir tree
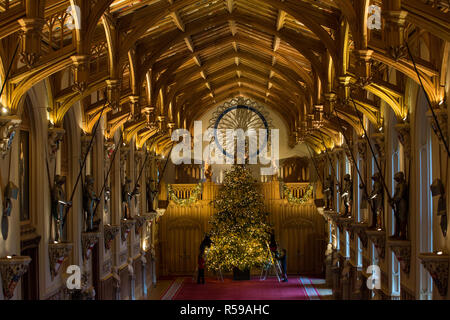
[239,230]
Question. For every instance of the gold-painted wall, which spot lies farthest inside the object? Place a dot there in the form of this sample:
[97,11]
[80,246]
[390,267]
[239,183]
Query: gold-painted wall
[298,228]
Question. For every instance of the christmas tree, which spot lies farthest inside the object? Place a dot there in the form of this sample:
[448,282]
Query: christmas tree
[239,230]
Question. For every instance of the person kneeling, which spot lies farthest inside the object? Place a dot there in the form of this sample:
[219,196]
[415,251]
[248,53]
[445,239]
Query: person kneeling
[201,269]
[282,259]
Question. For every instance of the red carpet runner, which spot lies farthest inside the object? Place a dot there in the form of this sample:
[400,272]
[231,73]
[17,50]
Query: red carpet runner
[298,288]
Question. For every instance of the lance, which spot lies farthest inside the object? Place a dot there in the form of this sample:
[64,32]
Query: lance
[109,171]
[140,172]
[329,160]
[353,158]
[371,148]
[9,68]
[87,152]
[165,166]
[429,102]
[315,164]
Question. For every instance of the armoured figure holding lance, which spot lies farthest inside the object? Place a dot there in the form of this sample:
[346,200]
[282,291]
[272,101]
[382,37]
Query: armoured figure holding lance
[107,199]
[377,198]
[127,196]
[151,194]
[400,205]
[59,205]
[89,203]
[347,194]
[329,191]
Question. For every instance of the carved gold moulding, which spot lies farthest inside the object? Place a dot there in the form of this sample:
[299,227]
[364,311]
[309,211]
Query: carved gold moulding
[360,229]
[57,253]
[88,241]
[8,126]
[402,250]
[344,222]
[330,214]
[149,216]
[140,220]
[378,237]
[12,268]
[437,264]
[110,233]
[160,212]
[125,228]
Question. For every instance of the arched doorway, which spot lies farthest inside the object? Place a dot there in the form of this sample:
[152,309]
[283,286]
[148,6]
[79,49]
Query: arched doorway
[29,239]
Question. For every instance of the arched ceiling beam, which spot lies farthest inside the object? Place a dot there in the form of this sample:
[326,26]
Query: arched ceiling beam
[406,67]
[302,16]
[313,144]
[179,86]
[281,69]
[282,72]
[278,103]
[225,85]
[158,11]
[243,40]
[235,81]
[240,91]
[348,11]
[229,88]
[202,24]
[98,9]
[143,137]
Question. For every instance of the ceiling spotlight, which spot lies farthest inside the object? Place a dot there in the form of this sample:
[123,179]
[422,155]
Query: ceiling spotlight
[4,110]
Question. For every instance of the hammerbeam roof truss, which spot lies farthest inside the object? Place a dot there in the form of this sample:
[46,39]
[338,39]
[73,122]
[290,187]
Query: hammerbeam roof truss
[181,57]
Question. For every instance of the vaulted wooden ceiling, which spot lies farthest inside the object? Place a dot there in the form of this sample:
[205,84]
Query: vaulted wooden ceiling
[160,64]
[207,51]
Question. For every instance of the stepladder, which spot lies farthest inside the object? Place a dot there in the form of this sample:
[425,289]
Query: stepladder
[272,266]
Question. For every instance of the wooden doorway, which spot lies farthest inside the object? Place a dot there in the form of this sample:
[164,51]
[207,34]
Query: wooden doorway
[182,246]
[298,238]
[30,280]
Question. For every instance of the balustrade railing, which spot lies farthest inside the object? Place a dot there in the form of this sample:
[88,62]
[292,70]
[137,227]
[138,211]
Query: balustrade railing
[6,5]
[58,32]
[185,191]
[298,190]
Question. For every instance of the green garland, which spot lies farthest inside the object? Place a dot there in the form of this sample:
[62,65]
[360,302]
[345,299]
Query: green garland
[294,200]
[185,202]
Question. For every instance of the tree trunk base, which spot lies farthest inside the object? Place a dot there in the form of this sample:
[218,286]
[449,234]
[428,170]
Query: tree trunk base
[241,275]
